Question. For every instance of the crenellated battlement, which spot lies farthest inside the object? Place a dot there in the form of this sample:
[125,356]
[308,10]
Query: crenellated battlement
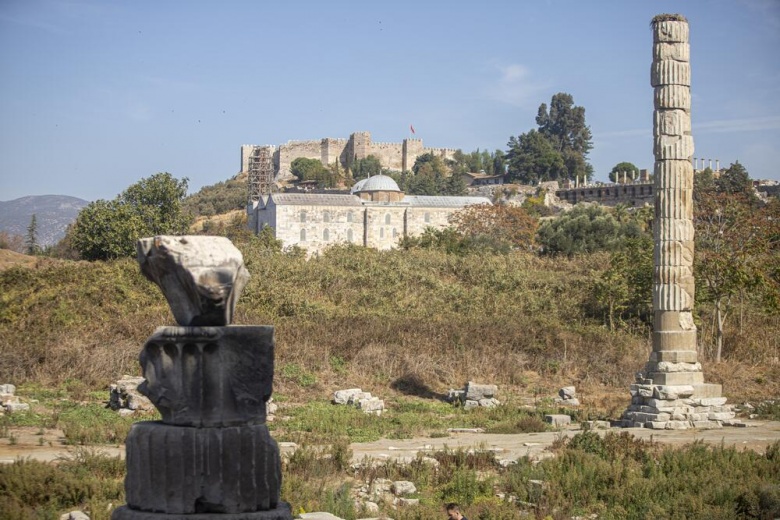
[399,155]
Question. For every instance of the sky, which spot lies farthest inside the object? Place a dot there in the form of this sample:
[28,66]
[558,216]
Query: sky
[98,94]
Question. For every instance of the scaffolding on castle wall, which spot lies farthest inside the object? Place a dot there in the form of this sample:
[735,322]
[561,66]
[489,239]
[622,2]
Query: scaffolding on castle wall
[261,173]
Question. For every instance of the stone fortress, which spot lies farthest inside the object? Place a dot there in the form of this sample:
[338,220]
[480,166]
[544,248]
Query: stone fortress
[329,151]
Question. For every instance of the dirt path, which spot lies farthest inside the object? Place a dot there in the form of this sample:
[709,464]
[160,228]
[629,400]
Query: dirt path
[29,443]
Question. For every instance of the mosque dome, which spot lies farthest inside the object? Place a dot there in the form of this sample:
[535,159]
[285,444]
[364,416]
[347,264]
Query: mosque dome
[376,183]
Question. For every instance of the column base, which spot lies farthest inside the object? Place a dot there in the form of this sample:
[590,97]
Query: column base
[282,512]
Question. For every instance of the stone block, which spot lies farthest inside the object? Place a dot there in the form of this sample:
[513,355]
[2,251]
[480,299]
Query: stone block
[489,403]
[707,425]
[679,378]
[74,515]
[671,392]
[404,487]
[666,366]
[673,341]
[209,376]
[674,147]
[345,396]
[557,420]
[704,390]
[468,404]
[318,516]
[675,122]
[675,356]
[406,502]
[673,321]
[670,72]
[567,392]
[676,203]
[201,276]
[184,470]
[475,391]
[672,297]
[670,31]
[672,97]
[677,51]
[720,416]
[675,229]
[656,425]
[677,425]
[7,389]
[373,405]
[711,401]
[17,407]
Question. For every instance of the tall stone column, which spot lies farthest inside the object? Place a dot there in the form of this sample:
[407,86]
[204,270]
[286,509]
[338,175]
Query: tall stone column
[670,392]
[211,456]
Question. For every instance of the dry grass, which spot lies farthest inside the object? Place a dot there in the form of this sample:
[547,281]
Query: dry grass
[395,323]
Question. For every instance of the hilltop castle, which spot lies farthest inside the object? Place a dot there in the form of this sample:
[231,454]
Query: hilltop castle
[393,156]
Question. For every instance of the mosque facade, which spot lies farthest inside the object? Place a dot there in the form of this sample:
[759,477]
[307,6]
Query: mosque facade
[375,214]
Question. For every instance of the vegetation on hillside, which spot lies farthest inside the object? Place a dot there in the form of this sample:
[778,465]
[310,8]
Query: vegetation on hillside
[218,198]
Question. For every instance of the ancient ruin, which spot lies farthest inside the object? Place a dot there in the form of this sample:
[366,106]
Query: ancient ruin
[211,456]
[670,392]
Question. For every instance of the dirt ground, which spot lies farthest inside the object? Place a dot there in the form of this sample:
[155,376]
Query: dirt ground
[757,435]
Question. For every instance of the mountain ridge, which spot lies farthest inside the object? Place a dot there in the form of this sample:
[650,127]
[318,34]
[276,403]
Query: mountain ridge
[53,214]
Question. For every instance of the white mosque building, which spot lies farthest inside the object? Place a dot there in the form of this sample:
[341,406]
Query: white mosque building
[375,214]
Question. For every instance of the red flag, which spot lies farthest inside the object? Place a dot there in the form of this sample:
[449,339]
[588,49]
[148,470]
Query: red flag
[411,127]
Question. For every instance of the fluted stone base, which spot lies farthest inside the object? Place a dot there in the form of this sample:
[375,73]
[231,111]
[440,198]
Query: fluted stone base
[184,470]
[282,512]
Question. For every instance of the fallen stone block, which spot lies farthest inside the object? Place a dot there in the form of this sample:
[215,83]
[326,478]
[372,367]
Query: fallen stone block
[17,407]
[469,404]
[557,419]
[404,487]
[318,516]
[721,416]
[7,389]
[343,396]
[454,396]
[706,425]
[489,403]
[596,425]
[567,392]
[475,391]
[407,502]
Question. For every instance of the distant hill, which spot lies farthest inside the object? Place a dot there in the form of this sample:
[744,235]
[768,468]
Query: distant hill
[53,213]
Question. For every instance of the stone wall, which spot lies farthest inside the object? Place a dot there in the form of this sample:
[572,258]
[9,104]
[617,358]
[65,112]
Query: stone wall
[316,227]
[394,156]
[636,195]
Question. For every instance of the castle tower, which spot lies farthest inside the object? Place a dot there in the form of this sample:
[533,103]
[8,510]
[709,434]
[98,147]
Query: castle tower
[360,145]
[670,392]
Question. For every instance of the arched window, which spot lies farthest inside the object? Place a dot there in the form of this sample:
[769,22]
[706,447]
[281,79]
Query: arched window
[326,235]
[303,216]
[303,235]
[387,218]
[326,216]
[349,217]
[395,233]
[349,234]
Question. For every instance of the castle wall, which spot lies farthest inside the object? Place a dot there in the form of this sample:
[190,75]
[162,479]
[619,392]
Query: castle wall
[395,156]
[294,149]
[636,195]
[389,154]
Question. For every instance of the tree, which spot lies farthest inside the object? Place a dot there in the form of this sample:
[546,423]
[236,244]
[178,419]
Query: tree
[110,229]
[627,168]
[585,229]
[158,201]
[532,158]
[12,242]
[735,179]
[737,246]
[362,168]
[564,126]
[501,225]
[31,241]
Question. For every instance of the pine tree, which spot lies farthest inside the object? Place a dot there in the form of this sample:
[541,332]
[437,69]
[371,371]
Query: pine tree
[31,242]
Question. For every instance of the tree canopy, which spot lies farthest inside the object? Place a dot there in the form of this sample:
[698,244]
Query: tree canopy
[558,149]
[362,168]
[110,229]
[616,174]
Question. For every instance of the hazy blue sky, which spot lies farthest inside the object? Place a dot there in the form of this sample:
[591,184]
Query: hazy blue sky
[96,94]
